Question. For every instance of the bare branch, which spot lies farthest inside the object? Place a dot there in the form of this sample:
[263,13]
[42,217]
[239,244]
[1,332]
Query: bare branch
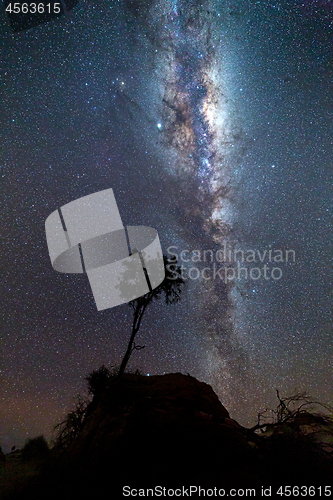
[289,408]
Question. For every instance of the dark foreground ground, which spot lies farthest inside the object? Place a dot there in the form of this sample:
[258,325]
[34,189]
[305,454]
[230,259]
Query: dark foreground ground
[171,431]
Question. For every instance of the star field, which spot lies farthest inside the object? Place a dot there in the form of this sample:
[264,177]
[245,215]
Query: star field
[212,122]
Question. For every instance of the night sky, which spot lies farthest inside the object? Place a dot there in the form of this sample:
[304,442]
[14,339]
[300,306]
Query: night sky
[212,123]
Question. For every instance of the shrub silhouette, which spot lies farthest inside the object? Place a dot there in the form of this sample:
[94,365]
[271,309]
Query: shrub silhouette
[35,450]
[68,429]
[98,380]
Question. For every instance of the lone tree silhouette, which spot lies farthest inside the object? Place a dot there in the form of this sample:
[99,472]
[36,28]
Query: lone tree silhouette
[171,288]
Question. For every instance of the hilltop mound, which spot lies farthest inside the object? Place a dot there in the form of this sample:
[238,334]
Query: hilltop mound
[163,429]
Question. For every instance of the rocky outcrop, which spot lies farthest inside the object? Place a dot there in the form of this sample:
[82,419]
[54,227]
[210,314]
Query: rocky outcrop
[166,429]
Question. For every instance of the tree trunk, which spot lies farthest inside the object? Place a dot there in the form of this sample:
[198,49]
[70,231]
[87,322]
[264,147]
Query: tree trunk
[127,354]
[138,313]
